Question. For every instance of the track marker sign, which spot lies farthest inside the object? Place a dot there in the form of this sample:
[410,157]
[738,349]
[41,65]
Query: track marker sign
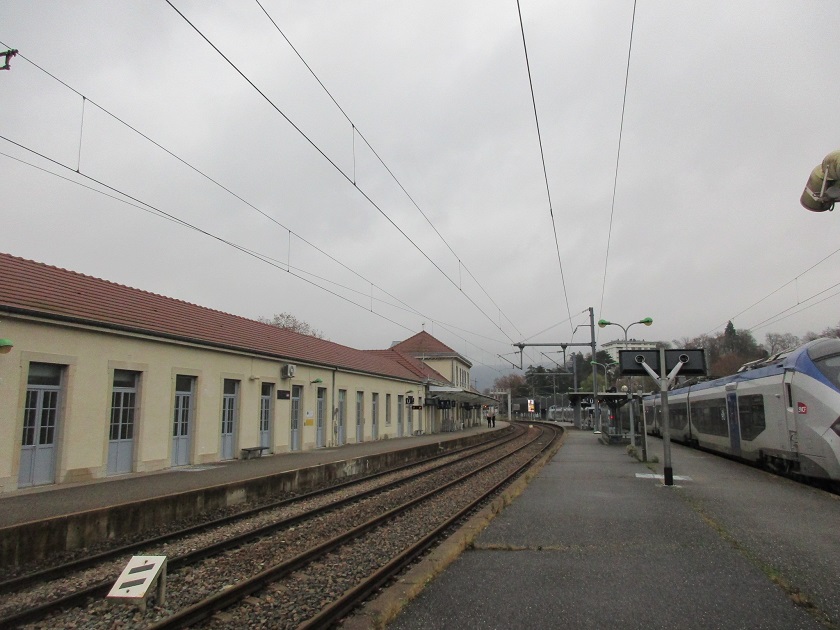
[137,578]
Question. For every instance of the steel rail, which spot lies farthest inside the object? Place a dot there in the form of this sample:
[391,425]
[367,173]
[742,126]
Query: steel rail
[100,589]
[352,598]
[203,609]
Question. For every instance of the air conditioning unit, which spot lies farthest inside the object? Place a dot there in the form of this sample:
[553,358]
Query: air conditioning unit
[289,370]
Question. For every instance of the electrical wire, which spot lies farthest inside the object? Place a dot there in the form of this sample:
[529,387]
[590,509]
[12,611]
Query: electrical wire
[405,306]
[772,293]
[294,271]
[335,166]
[384,165]
[542,158]
[618,157]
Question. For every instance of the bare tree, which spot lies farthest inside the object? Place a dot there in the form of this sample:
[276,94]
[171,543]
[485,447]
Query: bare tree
[290,322]
[777,342]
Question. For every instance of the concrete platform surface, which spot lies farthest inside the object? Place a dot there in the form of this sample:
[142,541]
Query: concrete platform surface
[595,541]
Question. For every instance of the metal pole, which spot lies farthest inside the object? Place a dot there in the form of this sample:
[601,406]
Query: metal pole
[630,382]
[666,421]
[595,406]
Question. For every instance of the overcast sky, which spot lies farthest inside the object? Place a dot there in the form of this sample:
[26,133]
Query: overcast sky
[729,106]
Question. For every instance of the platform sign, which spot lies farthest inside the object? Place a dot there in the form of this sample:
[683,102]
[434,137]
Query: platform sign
[138,576]
[693,362]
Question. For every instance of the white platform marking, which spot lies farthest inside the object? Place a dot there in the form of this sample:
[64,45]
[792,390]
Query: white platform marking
[655,476]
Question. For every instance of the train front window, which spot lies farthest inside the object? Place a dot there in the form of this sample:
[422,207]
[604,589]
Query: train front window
[830,368]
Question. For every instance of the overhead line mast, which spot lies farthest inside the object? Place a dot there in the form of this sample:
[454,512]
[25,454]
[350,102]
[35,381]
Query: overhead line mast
[592,344]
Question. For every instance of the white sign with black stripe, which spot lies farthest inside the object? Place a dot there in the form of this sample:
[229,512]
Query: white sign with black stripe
[137,578]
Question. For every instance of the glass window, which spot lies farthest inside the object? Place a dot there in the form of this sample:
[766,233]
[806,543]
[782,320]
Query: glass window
[44,374]
[678,416]
[184,383]
[709,416]
[387,409]
[751,414]
[123,404]
[125,378]
[830,368]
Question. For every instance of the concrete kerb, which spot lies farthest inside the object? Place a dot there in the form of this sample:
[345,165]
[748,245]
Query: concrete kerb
[379,612]
[33,541]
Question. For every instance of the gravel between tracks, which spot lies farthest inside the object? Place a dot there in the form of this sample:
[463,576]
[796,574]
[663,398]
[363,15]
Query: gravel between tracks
[193,583]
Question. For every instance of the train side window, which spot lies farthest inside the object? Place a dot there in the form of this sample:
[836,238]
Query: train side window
[678,416]
[709,416]
[789,393]
[751,414]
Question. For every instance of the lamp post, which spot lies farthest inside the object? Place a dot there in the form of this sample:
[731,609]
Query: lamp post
[647,321]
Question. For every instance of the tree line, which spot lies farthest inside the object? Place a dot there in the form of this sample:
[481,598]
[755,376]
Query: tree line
[726,352]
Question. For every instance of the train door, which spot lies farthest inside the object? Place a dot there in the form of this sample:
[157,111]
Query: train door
[734,425]
[790,414]
[40,425]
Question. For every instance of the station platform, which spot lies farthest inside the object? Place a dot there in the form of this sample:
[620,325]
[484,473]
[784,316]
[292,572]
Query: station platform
[52,501]
[596,540]
[37,521]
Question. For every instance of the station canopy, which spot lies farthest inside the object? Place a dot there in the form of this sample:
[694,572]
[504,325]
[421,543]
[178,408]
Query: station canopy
[459,394]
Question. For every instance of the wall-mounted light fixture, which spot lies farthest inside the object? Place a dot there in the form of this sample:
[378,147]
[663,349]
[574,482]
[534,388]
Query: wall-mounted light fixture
[6,346]
[317,380]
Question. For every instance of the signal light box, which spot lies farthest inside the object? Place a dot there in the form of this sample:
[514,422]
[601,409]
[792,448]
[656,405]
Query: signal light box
[693,362]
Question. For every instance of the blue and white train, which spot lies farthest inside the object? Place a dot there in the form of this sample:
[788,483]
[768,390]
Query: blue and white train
[783,412]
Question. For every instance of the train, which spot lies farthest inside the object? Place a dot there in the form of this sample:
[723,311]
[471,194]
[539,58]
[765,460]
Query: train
[782,413]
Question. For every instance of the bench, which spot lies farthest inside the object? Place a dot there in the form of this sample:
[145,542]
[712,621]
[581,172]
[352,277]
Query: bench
[253,451]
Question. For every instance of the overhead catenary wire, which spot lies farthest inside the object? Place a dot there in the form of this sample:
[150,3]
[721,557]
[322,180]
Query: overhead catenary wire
[335,166]
[772,293]
[297,272]
[778,316]
[542,158]
[405,306]
[618,158]
[357,131]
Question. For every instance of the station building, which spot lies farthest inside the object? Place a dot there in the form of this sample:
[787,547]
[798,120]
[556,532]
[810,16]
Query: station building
[613,347]
[99,379]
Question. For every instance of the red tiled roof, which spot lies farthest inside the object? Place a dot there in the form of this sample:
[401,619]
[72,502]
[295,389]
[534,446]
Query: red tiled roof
[37,289]
[421,369]
[422,342]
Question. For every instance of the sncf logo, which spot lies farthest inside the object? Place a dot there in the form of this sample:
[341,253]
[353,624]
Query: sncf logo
[801,408]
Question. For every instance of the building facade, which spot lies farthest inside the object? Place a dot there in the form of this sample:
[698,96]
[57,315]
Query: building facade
[105,380]
[613,347]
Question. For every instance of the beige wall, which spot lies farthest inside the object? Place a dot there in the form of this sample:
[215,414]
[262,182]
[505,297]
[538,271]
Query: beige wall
[90,358]
[449,368]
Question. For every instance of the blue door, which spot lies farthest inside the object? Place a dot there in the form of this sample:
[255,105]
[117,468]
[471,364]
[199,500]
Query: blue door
[734,425]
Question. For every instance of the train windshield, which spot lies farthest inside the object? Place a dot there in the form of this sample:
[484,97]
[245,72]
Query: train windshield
[830,368]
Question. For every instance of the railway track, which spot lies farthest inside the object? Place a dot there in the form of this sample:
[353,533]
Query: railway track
[285,520]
